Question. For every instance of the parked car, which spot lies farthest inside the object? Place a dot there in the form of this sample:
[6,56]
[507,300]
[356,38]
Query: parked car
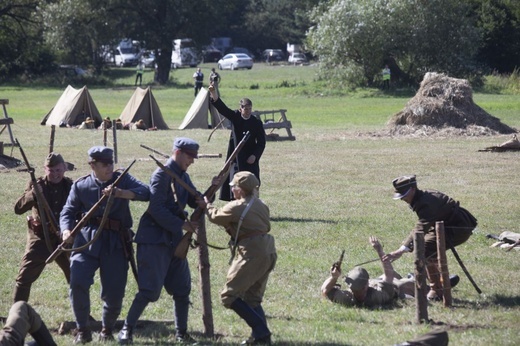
[211,54]
[148,58]
[270,55]
[297,58]
[235,61]
[241,50]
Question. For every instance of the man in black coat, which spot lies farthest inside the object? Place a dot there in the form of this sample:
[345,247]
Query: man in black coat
[241,120]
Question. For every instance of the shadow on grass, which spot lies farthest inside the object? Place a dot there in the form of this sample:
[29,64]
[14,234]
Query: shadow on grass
[492,301]
[291,219]
[164,334]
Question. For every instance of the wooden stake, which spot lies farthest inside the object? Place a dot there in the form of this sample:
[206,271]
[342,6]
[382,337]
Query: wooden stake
[205,285]
[443,263]
[115,139]
[421,288]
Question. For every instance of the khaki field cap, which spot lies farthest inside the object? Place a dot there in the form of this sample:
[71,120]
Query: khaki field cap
[357,279]
[247,181]
[101,154]
[403,184]
[187,145]
[53,159]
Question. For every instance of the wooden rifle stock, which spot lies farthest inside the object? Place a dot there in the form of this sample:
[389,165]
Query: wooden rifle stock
[181,251]
[86,217]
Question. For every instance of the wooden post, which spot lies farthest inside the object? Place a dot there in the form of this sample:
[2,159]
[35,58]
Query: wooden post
[421,288]
[443,263]
[51,142]
[115,139]
[104,133]
[205,285]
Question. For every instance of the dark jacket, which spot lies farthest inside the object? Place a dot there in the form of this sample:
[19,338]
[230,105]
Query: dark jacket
[432,206]
[255,145]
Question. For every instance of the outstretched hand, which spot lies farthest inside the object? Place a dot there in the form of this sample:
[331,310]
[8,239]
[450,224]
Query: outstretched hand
[375,243]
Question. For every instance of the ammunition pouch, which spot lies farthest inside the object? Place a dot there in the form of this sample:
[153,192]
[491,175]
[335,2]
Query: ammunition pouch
[35,225]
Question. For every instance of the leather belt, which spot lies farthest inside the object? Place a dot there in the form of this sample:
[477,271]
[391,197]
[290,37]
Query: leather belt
[250,235]
[110,224]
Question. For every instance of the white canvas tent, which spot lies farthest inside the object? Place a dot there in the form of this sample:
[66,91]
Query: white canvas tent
[72,108]
[142,105]
[197,116]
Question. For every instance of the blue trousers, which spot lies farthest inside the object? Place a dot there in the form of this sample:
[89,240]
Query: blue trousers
[113,270]
[158,268]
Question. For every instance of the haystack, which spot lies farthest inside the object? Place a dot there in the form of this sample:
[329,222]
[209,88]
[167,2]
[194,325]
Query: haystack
[444,103]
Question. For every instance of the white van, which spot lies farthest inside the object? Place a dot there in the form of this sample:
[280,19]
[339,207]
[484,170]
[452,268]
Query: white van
[127,53]
[184,53]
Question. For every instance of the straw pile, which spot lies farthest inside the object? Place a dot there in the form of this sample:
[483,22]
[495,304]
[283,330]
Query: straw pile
[445,105]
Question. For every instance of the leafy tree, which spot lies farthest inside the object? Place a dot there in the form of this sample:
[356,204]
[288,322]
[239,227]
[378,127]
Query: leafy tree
[499,21]
[22,53]
[274,23]
[355,38]
[158,22]
[76,29]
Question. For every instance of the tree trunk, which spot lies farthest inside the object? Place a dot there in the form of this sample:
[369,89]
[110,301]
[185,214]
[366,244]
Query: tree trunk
[164,61]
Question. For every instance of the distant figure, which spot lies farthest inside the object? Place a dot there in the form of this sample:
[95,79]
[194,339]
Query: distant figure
[214,78]
[139,73]
[386,77]
[106,124]
[139,125]
[87,124]
[198,77]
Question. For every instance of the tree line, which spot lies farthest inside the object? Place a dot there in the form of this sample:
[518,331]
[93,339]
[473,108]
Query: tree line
[351,39]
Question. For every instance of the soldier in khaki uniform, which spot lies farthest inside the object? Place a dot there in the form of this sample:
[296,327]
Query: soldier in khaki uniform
[247,221]
[55,188]
[364,291]
[23,320]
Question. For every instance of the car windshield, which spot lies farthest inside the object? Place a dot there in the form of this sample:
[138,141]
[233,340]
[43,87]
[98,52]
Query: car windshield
[242,56]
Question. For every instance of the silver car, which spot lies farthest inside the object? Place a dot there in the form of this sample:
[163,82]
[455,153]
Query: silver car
[235,61]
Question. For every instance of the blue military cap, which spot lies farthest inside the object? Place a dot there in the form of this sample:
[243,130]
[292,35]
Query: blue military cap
[101,154]
[187,145]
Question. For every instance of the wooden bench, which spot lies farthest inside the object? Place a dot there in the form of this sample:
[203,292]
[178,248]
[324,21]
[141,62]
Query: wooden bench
[6,122]
[272,122]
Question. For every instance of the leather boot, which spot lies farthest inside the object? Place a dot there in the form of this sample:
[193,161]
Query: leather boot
[125,336]
[434,276]
[259,328]
[43,337]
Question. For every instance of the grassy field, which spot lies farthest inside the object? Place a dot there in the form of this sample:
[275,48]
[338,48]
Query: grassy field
[328,190]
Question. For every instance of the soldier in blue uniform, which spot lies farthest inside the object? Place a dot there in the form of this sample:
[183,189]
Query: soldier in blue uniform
[107,252]
[160,230]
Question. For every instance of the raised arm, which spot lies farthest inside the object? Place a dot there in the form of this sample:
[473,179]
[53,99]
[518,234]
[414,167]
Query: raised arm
[388,269]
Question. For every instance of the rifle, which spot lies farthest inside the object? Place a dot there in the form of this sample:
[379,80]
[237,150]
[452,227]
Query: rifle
[43,207]
[503,239]
[128,248]
[155,151]
[85,218]
[182,249]
[338,263]
[200,156]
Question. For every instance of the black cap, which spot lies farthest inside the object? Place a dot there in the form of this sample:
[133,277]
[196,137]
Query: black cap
[402,185]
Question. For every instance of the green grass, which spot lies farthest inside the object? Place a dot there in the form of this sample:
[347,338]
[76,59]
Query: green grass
[327,191]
